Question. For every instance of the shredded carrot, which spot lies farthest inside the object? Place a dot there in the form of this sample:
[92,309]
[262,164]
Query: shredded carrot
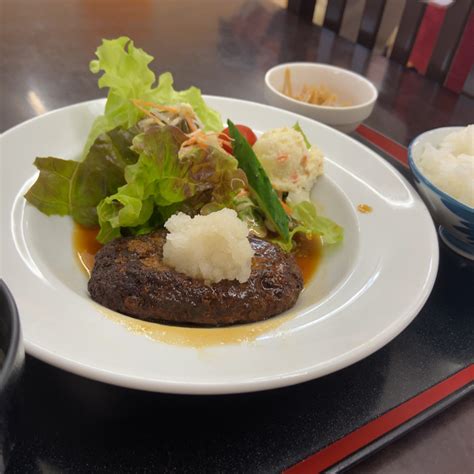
[287,208]
[166,108]
[148,113]
[142,103]
[194,141]
[282,158]
[198,138]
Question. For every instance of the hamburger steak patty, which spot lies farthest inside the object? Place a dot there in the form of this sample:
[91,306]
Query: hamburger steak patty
[129,276]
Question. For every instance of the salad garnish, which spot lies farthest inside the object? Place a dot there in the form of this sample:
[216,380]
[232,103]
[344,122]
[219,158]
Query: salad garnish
[156,151]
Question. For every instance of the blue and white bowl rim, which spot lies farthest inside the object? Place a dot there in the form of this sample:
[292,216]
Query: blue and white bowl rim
[426,181]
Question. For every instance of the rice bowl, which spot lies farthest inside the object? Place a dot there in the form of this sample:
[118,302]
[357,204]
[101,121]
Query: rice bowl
[450,165]
[455,219]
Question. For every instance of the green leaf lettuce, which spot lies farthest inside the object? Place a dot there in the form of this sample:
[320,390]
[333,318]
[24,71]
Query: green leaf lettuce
[67,187]
[310,223]
[164,181]
[127,76]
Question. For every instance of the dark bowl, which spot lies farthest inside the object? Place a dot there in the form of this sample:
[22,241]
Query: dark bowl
[12,358]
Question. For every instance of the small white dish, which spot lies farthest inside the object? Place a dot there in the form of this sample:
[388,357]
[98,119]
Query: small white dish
[455,219]
[350,87]
[365,292]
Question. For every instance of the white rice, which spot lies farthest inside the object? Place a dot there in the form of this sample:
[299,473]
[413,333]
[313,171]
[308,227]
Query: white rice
[213,247]
[450,165]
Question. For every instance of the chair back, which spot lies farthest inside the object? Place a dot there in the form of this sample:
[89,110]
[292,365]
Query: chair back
[435,38]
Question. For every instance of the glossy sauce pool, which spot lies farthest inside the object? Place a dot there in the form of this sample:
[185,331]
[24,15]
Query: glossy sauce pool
[86,246]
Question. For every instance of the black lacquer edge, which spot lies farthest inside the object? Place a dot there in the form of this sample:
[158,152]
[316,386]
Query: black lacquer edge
[11,354]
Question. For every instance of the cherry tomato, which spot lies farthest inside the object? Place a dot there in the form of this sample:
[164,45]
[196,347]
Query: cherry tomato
[245,131]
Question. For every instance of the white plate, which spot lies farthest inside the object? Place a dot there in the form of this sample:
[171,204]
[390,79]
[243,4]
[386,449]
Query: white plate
[364,293]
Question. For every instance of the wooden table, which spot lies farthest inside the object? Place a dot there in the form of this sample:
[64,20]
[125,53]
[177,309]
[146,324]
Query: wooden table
[224,48]
[47,46]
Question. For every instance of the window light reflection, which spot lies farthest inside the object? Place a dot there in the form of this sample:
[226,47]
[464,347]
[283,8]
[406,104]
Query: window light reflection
[36,103]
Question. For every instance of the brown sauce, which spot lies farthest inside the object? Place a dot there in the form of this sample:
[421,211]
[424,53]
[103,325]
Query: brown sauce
[85,246]
[308,256]
[308,253]
[364,208]
[196,337]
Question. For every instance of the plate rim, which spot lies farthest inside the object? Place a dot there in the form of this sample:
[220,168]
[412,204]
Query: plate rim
[343,360]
